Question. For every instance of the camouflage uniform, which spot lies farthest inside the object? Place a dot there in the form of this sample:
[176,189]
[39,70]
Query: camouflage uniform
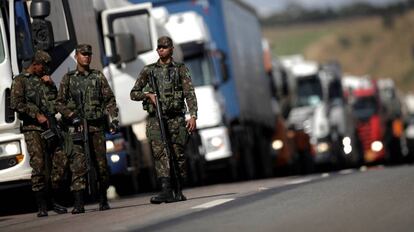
[75,158]
[98,99]
[175,86]
[29,97]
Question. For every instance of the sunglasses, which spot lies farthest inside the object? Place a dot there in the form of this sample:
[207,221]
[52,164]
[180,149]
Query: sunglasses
[86,54]
[162,46]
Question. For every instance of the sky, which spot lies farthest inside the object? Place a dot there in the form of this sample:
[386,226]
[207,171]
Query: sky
[267,7]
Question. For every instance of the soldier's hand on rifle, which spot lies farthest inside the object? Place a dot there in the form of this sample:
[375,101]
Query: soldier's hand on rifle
[114,127]
[152,97]
[74,119]
[191,124]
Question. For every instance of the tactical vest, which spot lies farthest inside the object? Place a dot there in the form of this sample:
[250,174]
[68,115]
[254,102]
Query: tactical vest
[37,93]
[85,94]
[170,87]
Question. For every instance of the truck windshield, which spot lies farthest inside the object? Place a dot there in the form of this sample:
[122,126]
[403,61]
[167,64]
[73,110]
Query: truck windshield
[139,26]
[365,107]
[23,36]
[200,70]
[309,91]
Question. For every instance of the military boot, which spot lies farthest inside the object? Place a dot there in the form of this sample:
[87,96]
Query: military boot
[179,196]
[41,203]
[78,206]
[103,201]
[59,209]
[166,194]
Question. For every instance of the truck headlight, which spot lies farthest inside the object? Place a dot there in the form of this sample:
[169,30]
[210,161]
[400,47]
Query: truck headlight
[347,145]
[376,146]
[10,148]
[322,147]
[110,147]
[115,158]
[346,141]
[216,141]
[277,144]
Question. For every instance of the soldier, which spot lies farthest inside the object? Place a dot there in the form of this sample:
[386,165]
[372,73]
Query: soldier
[32,97]
[98,101]
[175,86]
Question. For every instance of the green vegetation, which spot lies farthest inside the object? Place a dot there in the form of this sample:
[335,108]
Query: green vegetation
[286,45]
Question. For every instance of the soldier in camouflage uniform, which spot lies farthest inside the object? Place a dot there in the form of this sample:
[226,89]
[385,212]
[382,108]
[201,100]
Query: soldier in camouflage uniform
[98,101]
[175,86]
[32,97]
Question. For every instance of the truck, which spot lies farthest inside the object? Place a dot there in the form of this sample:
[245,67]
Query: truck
[236,119]
[320,111]
[53,26]
[362,94]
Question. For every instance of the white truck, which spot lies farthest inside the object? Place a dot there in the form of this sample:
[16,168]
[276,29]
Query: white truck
[319,109]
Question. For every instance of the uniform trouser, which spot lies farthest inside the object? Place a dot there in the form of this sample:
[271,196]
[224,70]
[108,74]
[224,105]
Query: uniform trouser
[98,154]
[77,164]
[36,147]
[178,135]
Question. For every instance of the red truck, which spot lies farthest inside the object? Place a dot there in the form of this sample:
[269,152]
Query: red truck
[362,94]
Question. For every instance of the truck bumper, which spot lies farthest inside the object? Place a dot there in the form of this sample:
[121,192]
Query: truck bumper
[14,158]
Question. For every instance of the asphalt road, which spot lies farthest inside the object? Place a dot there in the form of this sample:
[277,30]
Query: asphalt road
[377,199]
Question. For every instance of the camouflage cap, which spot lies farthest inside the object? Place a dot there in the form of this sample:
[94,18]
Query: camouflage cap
[41,57]
[84,48]
[164,41]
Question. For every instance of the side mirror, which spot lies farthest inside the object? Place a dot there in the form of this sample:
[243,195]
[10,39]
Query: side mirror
[125,47]
[39,9]
[41,28]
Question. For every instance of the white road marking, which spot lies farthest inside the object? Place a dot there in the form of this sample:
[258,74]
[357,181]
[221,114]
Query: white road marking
[324,175]
[346,171]
[212,203]
[300,181]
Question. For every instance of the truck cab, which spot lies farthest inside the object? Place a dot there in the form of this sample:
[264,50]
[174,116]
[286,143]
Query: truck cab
[366,108]
[319,109]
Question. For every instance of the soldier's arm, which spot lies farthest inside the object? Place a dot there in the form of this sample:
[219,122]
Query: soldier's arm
[136,93]
[18,100]
[109,98]
[62,97]
[188,90]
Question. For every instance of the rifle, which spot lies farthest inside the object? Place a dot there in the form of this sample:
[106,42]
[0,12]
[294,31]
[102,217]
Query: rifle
[174,170]
[91,175]
[53,131]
